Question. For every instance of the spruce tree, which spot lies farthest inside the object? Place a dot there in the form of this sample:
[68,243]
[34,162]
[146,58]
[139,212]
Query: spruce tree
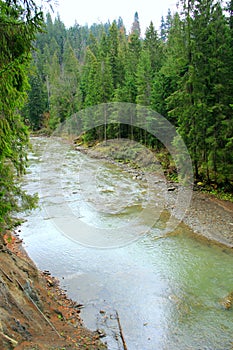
[144,78]
[113,43]
[36,106]
[19,22]
[163,34]
[135,29]
[155,48]
[167,80]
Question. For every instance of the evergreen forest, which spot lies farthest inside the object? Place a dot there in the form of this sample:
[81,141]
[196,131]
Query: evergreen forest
[183,70]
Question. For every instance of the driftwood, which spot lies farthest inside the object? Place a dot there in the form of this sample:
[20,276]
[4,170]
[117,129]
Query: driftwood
[121,331]
[6,275]
[11,340]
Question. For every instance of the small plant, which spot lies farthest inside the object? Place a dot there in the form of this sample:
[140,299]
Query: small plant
[222,195]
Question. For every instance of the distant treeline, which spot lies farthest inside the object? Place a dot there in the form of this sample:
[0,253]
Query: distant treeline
[184,71]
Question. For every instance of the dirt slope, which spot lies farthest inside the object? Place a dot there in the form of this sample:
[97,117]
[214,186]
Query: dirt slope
[34,313]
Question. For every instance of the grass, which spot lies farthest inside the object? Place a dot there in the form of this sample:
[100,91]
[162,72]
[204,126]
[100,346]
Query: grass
[219,193]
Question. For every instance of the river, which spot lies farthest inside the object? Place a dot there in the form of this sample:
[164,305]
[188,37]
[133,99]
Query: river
[166,289]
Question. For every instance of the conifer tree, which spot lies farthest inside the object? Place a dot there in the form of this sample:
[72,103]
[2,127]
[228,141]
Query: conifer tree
[155,48]
[129,89]
[19,22]
[163,34]
[113,53]
[37,104]
[185,73]
[144,78]
[135,29]
[91,81]
[167,80]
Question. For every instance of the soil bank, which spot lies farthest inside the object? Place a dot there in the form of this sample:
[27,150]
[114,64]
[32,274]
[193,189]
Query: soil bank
[35,314]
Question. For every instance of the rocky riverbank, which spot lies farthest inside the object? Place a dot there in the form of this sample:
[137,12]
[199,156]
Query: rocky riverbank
[35,314]
[207,216]
[211,218]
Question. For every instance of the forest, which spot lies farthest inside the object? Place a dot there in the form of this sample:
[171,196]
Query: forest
[183,70]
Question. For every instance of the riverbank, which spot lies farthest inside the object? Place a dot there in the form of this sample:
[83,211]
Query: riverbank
[209,217]
[35,313]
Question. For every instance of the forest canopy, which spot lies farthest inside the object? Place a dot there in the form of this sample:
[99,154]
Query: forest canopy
[183,71]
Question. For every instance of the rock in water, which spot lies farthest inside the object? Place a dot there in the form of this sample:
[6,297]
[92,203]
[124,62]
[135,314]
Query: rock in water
[227,302]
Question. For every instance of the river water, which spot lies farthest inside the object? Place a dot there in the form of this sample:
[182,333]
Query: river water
[166,289]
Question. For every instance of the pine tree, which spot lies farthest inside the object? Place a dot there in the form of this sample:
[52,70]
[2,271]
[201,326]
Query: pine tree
[59,36]
[155,48]
[19,22]
[135,29]
[163,33]
[70,78]
[185,73]
[120,24]
[165,26]
[53,92]
[129,89]
[91,82]
[105,80]
[219,96]
[144,78]
[169,19]
[203,87]
[167,80]
[36,105]
[113,41]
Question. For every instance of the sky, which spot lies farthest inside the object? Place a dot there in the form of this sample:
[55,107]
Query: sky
[93,11]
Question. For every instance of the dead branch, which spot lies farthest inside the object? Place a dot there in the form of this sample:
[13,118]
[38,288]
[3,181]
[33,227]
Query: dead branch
[38,309]
[11,340]
[6,275]
[121,332]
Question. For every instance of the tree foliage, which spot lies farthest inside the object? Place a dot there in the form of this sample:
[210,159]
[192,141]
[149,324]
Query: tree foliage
[184,72]
[19,23]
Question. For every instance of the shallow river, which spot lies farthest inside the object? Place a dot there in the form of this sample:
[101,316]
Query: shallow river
[166,290]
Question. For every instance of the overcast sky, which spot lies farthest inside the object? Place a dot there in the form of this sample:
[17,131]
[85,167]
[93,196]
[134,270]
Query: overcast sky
[94,11]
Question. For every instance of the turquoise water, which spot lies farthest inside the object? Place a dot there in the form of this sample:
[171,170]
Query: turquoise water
[166,289]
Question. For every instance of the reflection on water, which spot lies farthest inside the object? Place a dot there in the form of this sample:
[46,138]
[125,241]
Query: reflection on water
[166,290]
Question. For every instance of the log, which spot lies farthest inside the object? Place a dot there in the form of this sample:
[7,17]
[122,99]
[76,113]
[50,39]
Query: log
[121,331]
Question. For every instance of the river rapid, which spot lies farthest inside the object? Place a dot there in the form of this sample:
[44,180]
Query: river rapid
[166,288]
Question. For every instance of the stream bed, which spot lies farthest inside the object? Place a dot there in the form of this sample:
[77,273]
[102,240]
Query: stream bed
[166,288]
